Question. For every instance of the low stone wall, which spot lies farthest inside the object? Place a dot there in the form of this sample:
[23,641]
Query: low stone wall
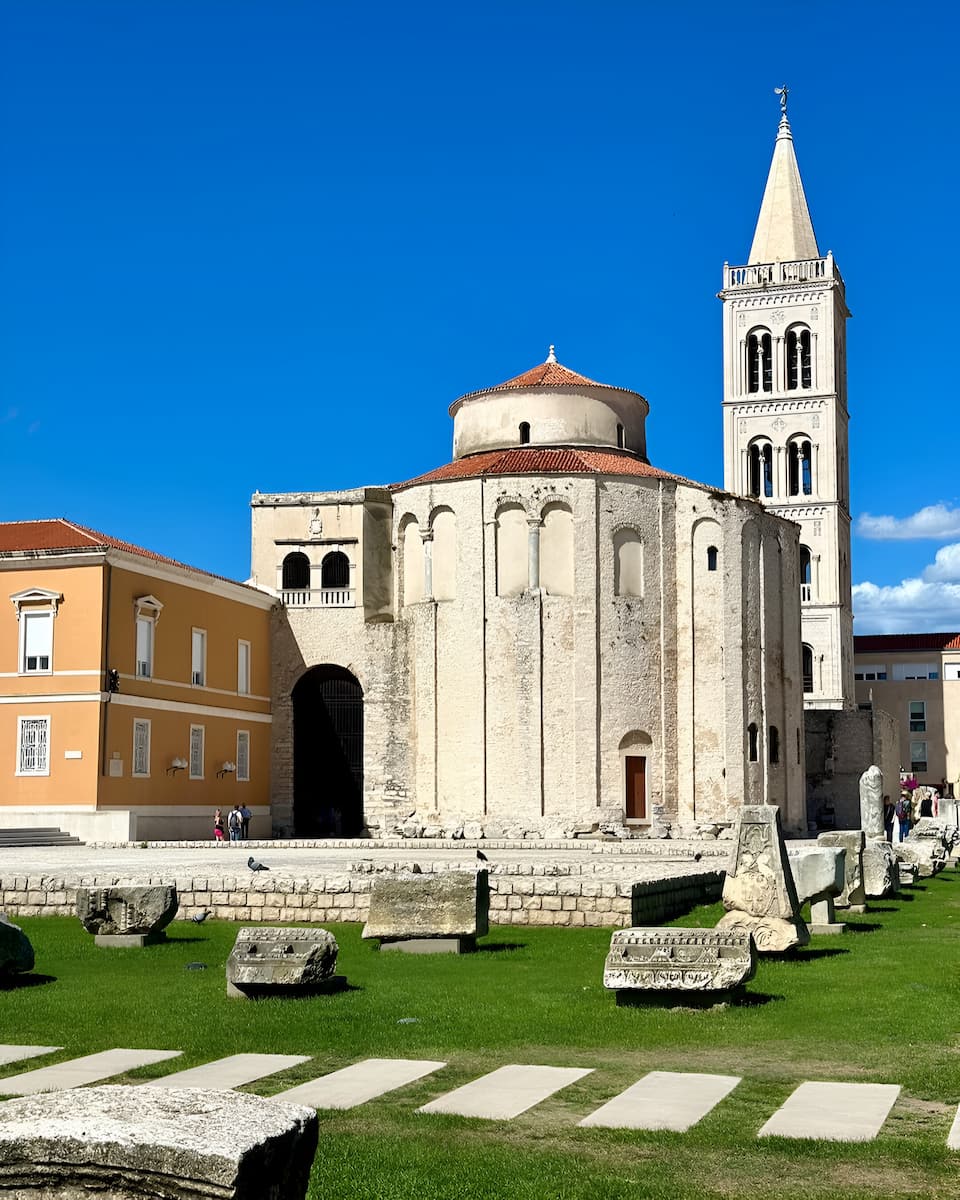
[570,898]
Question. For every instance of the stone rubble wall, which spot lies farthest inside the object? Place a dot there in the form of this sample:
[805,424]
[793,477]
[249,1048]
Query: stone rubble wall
[530,895]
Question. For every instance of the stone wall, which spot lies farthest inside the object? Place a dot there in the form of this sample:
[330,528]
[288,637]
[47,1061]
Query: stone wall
[660,900]
[840,745]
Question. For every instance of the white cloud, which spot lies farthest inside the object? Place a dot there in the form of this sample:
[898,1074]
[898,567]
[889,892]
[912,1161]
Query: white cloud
[938,521]
[945,567]
[927,605]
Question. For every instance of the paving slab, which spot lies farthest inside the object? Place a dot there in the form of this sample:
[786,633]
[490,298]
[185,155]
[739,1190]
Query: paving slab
[76,1072]
[953,1138]
[9,1054]
[664,1100]
[835,1112]
[506,1092]
[231,1072]
[358,1083]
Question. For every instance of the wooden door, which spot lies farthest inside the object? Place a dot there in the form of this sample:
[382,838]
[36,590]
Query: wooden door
[636,805]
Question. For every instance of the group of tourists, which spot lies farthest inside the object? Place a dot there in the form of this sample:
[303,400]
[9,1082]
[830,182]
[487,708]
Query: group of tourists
[236,824]
[909,808]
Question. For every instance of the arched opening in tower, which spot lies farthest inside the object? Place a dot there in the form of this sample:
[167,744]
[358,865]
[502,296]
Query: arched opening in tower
[327,754]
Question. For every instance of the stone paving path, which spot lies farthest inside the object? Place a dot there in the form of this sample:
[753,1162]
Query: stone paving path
[845,1112]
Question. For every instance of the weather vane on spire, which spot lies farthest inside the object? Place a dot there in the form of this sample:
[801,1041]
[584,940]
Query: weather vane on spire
[782,92]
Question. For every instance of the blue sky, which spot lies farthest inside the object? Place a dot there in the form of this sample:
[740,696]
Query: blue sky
[259,245]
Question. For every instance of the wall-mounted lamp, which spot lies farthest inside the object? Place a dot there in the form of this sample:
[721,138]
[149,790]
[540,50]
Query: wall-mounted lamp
[227,769]
[176,764]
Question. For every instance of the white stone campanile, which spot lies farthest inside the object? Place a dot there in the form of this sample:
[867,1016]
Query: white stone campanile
[785,411]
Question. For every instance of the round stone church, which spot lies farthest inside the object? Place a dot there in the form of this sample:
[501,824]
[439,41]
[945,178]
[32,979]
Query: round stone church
[545,636]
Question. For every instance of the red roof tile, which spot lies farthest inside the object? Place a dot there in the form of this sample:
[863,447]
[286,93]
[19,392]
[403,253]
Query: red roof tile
[535,460]
[547,374]
[61,534]
[880,643]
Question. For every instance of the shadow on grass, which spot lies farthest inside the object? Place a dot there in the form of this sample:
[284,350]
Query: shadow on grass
[808,953]
[498,947]
[13,983]
[863,926]
[677,1001]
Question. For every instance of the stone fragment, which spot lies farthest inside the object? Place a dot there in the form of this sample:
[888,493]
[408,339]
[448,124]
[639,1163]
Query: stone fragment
[16,952]
[758,893]
[871,802]
[127,1143]
[881,876]
[272,961]
[909,872]
[660,959]
[473,831]
[127,916]
[932,835]
[819,876]
[924,855]
[851,842]
[452,907]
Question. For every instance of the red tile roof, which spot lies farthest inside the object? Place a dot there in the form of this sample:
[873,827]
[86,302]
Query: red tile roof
[880,643]
[535,460]
[60,534]
[547,374]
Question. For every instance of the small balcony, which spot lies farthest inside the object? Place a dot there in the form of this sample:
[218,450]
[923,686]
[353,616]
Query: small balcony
[761,275]
[334,597]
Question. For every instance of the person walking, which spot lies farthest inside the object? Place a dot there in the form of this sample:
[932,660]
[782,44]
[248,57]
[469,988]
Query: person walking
[218,825]
[235,824]
[889,812]
[245,815]
[903,815]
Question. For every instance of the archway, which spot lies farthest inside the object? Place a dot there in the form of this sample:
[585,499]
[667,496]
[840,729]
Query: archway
[327,754]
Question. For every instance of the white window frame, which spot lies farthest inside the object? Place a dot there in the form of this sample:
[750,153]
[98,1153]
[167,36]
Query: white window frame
[35,614]
[243,667]
[141,723]
[147,609]
[917,723]
[951,670]
[149,623]
[44,769]
[201,730]
[198,637]
[925,759]
[243,770]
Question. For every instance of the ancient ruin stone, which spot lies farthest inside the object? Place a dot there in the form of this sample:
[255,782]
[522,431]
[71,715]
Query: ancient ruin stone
[758,893]
[819,876]
[16,952]
[127,1143]
[881,876]
[926,855]
[851,841]
[454,904]
[871,802]
[269,960]
[678,960]
[131,915]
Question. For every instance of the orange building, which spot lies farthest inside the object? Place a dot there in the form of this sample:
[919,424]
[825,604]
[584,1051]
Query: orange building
[134,691]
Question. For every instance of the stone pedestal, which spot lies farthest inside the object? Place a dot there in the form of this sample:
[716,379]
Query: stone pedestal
[125,941]
[851,841]
[450,907]
[819,875]
[437,945]
[759,893]
[822,918]
[127,1143]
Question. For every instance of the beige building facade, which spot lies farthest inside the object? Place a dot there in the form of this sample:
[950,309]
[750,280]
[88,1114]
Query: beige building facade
[545,635]
[134,691]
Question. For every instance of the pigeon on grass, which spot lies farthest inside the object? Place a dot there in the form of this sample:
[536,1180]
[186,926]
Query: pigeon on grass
[199,918]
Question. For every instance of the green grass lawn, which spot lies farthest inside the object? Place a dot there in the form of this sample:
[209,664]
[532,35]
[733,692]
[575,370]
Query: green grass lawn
[880,1004]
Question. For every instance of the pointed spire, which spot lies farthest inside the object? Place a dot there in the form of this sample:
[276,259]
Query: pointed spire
[552,356]
[784,230]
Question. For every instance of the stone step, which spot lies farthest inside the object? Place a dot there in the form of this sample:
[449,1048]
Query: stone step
[358,1083]
[38,836]
[664,1100]
[231,1072]
[835,1112]
[76,1072]
[9,1054]
[505,1093]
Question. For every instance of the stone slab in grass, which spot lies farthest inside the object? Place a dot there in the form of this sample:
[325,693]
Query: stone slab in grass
[9,1054]
[359,1082]
[835,1112]
[953,1138]
[76,1072]
[506,1092]
[664,1100]
[231,1072]
[127,1143]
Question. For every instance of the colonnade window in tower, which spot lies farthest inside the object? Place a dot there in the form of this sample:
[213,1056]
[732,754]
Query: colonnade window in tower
[786,469]
[781,363]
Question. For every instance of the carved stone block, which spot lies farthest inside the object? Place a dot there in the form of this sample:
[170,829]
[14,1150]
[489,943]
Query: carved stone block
[871,802]
[678,960]
[452,905]
[851,841]
[126,1143]
[881,876]
[270,960]
[132,915]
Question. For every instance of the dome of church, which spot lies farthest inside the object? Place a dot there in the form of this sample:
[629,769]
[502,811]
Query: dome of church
[550,405]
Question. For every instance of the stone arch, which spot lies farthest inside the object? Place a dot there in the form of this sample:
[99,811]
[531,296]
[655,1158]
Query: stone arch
[295,572]
[443,524]
[327,753]
[411,559]
[512,557]
[635,752]
[556,549]
[627,561]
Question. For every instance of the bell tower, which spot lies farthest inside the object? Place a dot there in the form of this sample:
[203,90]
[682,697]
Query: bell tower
[785,410]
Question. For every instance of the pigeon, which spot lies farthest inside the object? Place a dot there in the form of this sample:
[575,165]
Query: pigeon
[481,857]
[199,918]
[256,866]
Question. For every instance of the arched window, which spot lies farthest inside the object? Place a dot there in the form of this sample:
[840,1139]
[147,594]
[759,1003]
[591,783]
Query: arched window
[524,433]
[799,373]
[412,562]
[512,559]
[774,744]
[759,361]
[556,550]
[806,574]
[711,558]
[799,467]
[753,743]
[627,563]
[335,570]
[807,658]
[444,525]
[296,572]
[760,467]
[620,442]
